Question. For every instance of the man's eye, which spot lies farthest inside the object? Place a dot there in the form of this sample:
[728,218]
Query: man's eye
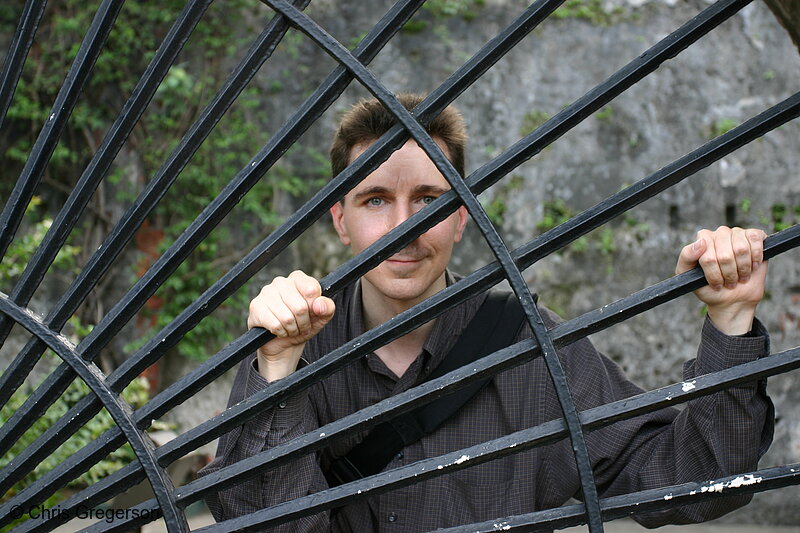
[428,199]
[374,201]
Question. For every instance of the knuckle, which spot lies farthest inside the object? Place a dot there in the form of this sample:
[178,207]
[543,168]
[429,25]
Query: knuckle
[725,258]
[740,250]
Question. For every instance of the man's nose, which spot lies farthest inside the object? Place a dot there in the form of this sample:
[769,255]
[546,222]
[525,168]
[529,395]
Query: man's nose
[401,213]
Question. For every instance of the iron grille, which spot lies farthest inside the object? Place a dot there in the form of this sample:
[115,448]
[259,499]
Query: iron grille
[79,360]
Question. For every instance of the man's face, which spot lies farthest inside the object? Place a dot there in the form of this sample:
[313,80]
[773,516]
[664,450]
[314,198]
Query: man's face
[401,186]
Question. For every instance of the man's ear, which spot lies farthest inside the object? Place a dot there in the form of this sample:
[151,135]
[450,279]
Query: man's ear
[337,213]
[463,218]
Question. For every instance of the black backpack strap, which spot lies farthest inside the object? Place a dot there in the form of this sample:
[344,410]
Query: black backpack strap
[494,326]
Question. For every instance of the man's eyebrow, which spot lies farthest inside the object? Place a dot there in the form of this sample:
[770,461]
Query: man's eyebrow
[433,189]
[371,191]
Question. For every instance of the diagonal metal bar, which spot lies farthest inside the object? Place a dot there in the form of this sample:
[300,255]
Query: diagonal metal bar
[119,410]
[134,365]
[97,169]
[102,259]
[18,53]
[498,247]
[563,334]
[78,74]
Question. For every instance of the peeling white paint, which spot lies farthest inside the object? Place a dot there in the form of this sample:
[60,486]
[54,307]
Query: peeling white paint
[322,434]
[740,481]
[668,496]
[688,385]
[502,526]
[461,459]
[743,481]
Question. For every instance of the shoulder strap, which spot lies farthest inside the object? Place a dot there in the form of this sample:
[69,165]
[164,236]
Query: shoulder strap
[494,326]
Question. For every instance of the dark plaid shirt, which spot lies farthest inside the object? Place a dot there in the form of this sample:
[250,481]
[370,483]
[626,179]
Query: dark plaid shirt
[712,437]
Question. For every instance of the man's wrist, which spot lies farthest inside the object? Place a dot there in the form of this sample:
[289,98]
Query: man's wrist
[733,319]
[273,368]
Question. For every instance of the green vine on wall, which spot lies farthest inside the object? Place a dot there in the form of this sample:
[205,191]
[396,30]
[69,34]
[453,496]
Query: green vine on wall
[218,41]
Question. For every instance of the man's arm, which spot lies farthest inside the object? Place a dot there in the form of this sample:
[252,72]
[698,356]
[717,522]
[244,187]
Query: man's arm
[293,309]
[717,435]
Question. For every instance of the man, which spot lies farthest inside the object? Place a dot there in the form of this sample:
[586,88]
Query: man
[713,436]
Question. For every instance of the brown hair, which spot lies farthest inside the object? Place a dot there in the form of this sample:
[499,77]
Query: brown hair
[367,120]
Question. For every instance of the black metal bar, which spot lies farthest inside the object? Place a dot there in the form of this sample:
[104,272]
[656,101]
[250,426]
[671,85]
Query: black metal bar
[116,407]
[97,169]
[102,259]
[18,53]
[78,74]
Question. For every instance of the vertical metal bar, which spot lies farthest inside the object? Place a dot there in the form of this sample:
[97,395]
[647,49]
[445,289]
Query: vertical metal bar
[18,53]
[78,74]
[97,169]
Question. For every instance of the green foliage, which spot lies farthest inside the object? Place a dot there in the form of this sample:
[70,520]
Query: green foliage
[721,126]
[532,120]
[22,249]
[605,114]
[591,10]
[783,216]
[556,213]
[496,208]
[440,11]
[136,394]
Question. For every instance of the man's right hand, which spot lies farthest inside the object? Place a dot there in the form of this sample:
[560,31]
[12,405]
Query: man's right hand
[294,310]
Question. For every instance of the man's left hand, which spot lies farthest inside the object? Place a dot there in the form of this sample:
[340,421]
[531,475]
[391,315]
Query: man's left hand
[732,260]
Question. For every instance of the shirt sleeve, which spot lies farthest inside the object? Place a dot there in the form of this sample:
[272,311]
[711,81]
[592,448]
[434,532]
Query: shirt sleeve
[718,435]
[266,430]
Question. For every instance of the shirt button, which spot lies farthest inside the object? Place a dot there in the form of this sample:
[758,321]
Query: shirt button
[282,405]
[399,455]
[392,517]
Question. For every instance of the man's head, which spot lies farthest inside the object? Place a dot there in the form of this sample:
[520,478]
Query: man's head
[401,186]
[367,120]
